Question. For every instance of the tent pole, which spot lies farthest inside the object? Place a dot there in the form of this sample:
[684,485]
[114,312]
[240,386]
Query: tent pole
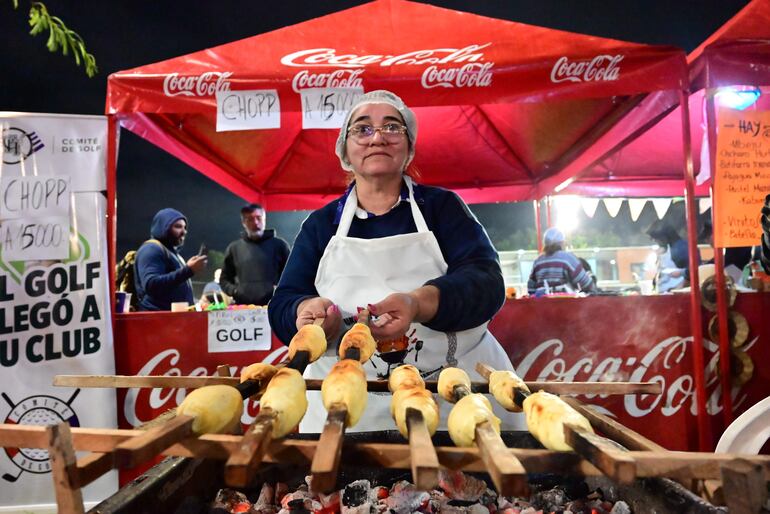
[719,271]
[112,183]
[696,323]
[548,209]
[538,226]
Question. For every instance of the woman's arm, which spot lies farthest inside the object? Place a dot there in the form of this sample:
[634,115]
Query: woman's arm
[473,289]
[297,280]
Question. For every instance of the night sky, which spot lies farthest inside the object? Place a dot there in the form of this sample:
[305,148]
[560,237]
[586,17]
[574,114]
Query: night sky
[127,34]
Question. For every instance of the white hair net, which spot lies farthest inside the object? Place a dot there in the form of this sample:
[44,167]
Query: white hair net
[553,236]
[379,96]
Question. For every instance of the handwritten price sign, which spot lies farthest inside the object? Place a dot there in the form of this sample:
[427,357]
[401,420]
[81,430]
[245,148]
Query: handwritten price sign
[742,177]
[326,107]
[39,239]
[248,110]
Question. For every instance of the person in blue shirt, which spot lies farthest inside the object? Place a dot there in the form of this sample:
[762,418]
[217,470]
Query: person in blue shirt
[162,275]
[673,257]
[414,255]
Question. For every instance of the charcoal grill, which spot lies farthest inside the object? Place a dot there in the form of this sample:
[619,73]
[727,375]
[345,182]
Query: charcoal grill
[185,486]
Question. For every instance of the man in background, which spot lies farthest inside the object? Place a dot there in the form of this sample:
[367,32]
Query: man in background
[557,270]
[162,276]
[254,263]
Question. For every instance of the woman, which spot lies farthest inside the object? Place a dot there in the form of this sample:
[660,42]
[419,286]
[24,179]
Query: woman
[415,255]
[673,265]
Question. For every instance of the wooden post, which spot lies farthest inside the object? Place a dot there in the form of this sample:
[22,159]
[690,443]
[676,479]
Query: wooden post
[69,497]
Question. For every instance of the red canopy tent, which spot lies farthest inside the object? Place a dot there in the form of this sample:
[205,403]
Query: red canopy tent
[635,159]
[502,106]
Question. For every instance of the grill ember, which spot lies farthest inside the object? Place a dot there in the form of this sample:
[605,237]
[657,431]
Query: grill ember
[457,493]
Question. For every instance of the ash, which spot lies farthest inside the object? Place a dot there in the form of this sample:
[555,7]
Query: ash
[457,493]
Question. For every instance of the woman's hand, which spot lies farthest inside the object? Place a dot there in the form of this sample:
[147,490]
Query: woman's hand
[314,308]
[399,310]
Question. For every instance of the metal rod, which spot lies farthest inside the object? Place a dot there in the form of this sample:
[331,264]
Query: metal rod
[696,322]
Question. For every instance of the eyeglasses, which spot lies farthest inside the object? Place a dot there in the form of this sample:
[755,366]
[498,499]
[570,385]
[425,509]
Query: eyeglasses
[390,132]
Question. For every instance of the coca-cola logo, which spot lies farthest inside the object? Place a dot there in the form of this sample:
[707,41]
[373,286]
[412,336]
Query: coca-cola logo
[205,84]
[469,75]
[166,363]
[669,354]
[600,68]
[327,57]
[336,79]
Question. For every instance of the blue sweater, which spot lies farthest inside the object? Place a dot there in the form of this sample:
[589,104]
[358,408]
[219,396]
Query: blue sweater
[471,292]
[161,278]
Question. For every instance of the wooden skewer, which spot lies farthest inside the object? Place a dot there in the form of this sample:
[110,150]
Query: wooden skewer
[380,386]
[605,454]
[424,464]
[506,471]
[326,460]
[153,441]
[242,465]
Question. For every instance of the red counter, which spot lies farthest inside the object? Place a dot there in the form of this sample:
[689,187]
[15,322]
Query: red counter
[634,338]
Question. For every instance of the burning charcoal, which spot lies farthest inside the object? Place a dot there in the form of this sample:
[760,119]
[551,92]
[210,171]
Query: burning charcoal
[477,508]
[620,507]
[280,491]
[531,510]
[300,501]
[227,499]
[459,486]
[266,500]
[404,498]
[330,502]
[356,493]
[379,493]
[550,500]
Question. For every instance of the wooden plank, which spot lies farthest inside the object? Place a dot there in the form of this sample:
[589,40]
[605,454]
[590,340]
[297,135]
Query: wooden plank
[744,487]
[506,471]
[679,465]
[120,381]
[69,497]
[424,461]
[326,460]
[242,465]
[92,466]
[614,430]
[613,462]
[152,442]
[380,386]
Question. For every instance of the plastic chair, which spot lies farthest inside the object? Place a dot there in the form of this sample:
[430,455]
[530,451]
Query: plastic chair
[749,432]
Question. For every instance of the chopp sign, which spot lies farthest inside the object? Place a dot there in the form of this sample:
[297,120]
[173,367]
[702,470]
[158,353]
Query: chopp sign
[238,330]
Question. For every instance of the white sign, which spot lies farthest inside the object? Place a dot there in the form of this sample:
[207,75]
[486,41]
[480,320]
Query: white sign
[326,107]
[248,110]
[239,330]
[45,238]
[54,314]
[34,197]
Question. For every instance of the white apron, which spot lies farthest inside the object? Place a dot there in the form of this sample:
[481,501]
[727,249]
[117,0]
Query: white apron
[354,272]
[666,266]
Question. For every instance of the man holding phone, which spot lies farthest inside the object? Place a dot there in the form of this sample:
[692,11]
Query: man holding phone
[162,276]
[254,263]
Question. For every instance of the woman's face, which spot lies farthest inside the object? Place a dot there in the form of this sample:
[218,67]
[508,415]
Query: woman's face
[380,155]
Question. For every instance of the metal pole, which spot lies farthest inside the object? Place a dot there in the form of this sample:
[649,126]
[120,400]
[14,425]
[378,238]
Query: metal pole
[538,227]
[112,182]
[719,271]
[705,442]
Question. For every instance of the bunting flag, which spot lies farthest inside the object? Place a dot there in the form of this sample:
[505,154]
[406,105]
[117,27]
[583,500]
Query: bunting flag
[589,206]
[661,206]
[704,204]
[613,205]
[636,206]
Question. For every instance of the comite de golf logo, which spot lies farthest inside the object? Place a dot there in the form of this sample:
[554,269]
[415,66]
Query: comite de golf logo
[18,145]
[37,410]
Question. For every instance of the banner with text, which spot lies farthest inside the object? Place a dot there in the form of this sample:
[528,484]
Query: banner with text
[54,307]
[742,178]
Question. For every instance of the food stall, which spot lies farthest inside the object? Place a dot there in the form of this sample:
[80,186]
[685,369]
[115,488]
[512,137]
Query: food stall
[503,108]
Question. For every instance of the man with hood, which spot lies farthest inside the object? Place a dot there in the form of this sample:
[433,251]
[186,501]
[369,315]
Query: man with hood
[162,275]
[254,263]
